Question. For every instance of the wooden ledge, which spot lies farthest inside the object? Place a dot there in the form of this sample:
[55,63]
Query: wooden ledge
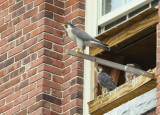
[120,95]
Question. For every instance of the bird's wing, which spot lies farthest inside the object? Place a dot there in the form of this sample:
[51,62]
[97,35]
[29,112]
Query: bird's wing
[106,81]
[79,33]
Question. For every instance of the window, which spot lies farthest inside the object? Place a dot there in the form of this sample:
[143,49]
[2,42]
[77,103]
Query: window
[113,12]
[128,31]
[110,5]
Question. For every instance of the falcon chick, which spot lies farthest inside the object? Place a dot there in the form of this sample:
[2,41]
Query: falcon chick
[130,76]
[105,80]
[82,38]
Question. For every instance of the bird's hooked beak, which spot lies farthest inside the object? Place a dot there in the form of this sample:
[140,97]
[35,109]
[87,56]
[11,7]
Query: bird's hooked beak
[63,25]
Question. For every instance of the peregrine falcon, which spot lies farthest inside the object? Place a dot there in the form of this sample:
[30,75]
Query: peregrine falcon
[82,38]
[104,79]
[130,76]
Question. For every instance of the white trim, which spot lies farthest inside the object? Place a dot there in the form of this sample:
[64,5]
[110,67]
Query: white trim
[91,28]
[121,11]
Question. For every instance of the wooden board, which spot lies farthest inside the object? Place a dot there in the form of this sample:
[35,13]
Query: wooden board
[112,39]
[120,95]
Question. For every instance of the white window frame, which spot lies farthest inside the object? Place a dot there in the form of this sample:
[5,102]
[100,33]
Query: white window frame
[119,12]
[92,21]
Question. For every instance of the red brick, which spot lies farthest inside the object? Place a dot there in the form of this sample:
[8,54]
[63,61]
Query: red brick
[16,6]
[74,14]
[52,38]
[20,11]
[2,102]
[39,76]
[23,24]
[15,50]
[70,2]
[59,3]
[37,2]
[6,107]
[28,103]
[70,45]
[30,13]
[73,103]
[7,32]
[37,31]
[56,93]
[27,1]
[72,89]
[57,79]
[1,21]
[35,92]
[59,18]
[38,105]
[67,11]
[66,70]
[54,9]
[50,84]
[77,65]
[52,23]
[3,27]
[21,99]
[3,57]
[66,85]
[78,5]
[30,27]
[14,36]
[28,88]
[13,96]
[2,1]
[7,18]
[56,108]
[17,72]
[13,110]
[7,4]
[54,31]
[48,112]
[4,13]
[30,6]
[21,85]
[157,110]
[22,39]
[7,47]
[6,93]
[21,55]
[23,112]
[51,69]
[12,82]
[13,67]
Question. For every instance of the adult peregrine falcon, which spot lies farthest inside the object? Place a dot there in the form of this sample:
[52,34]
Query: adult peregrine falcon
[130,76]
[82,38]
[104,79]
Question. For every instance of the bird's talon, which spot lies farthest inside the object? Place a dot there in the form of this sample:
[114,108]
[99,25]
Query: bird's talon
[78,51]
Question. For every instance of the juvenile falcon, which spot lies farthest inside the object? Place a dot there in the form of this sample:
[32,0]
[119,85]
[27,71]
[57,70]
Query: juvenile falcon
[82,38]
[130,76]
[104,79]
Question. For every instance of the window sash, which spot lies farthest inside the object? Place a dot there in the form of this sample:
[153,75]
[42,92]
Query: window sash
[119,12]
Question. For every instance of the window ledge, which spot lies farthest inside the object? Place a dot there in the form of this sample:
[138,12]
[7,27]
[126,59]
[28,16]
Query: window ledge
[122,94]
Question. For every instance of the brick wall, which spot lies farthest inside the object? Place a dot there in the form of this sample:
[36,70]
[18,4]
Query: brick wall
[36,77]
[158,64]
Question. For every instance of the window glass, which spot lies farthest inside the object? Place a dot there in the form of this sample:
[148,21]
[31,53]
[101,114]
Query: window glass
[110,5]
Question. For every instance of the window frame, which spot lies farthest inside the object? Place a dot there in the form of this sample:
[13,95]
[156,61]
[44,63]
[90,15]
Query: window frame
[119,12]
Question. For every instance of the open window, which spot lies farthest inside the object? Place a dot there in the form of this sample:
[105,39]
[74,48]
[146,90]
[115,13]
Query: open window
[131,41]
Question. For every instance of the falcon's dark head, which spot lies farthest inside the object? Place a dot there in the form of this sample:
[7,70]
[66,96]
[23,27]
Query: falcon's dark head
[68,25]
[98,69]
